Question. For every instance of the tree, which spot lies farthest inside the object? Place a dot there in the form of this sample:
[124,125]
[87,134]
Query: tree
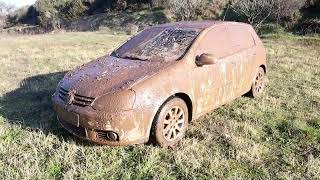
[256,12]
[184,9]
[6,8]
[49,12]
[287,9]
[74,9]
[313,3]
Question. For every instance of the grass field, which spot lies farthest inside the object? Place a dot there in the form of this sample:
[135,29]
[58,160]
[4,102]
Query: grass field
[277,136]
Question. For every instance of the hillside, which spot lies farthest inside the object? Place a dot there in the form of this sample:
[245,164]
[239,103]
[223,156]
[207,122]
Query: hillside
[300,16]
[277,136]
[129,21]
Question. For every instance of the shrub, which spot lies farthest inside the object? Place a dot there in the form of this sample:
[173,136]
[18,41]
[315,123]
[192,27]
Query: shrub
[309,26]
[313,3]
[74,9]
[2,21]
[254,12]
[120,4]
[184,9]
[257,12]
[287,10]
[4,10]
[24,15]
[99,6]
[191,9]
[212,9]
[158,3]
[48,15]
[271,28]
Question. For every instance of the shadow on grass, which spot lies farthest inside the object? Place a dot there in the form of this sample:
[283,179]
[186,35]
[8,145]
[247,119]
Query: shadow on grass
[30,105]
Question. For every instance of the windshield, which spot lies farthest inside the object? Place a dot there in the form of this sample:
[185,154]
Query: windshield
[158,44]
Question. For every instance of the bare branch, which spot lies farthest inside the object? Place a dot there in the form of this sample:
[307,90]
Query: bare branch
[257,12]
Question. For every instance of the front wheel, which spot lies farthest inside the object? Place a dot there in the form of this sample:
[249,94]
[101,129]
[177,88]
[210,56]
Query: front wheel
[258,84]
[170,123]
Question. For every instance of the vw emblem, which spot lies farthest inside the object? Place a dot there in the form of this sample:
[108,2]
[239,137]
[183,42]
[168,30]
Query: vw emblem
[70,97]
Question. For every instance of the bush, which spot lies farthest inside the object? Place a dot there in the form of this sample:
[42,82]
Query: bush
[120,5]
[4,10]
[2,21]
[74,9]
[313,3]
[309,26]
[287,10]
[271,28]
[158,3]
[256,12]
[212,9]
[48,13]
[184,9]
[15,17]
[24,15]
[99,6]
[191,9]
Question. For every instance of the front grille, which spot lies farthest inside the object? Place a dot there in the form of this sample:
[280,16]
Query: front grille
[79,131]
[63,94]
[76,100]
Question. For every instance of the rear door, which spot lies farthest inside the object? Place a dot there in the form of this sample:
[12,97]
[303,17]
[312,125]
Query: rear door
[242,54]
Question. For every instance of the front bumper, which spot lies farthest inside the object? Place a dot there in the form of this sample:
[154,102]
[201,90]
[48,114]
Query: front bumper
[92,125]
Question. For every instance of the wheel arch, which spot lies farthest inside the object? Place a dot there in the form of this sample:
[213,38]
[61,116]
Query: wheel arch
[185,97]
[264,68]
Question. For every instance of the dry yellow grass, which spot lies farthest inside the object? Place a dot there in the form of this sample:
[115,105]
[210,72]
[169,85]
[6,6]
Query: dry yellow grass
[276,136]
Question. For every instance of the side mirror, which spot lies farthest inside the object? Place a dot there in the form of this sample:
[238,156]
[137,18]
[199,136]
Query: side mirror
[206,59]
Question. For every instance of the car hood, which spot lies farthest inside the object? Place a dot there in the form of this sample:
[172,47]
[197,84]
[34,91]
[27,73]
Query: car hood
[108,74]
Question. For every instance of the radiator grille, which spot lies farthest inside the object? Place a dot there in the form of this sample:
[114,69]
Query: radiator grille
[76,100]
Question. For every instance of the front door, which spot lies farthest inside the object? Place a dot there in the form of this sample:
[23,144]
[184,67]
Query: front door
[213,83]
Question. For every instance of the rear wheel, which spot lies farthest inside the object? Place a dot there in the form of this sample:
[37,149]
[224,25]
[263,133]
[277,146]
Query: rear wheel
[170,123]
[258,84]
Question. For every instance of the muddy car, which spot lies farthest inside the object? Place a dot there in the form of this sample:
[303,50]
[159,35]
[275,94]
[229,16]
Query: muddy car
[151,87]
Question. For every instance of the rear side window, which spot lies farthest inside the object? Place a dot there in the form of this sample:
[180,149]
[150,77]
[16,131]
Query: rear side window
[240,38]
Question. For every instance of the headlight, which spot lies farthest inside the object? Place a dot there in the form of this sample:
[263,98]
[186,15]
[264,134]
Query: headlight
[119,101]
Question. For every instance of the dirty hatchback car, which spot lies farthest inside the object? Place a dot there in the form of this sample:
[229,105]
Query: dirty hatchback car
[152,86]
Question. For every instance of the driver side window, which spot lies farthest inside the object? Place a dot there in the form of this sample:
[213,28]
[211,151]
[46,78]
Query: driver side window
[215,42]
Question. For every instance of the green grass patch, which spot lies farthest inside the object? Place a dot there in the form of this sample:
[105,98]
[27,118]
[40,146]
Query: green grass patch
[277,136]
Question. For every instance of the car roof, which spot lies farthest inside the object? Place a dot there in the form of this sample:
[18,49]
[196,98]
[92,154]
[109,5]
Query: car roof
[198,24]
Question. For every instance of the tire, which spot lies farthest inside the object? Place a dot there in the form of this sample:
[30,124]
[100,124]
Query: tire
[170,123]
[258,84]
